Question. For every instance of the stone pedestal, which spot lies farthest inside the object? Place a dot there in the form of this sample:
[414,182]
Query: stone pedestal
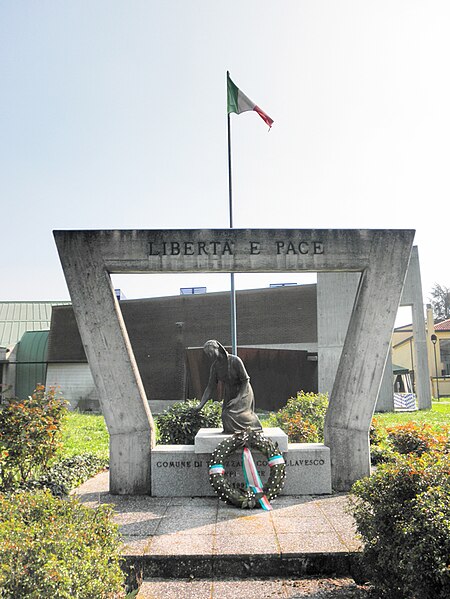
[179,471]
[207,439]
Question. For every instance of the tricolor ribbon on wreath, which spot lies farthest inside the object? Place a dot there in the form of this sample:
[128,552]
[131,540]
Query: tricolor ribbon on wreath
[255,493]
[252,479]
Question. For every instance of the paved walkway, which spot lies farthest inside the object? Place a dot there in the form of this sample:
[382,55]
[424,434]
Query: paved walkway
[209,542]
[305,588]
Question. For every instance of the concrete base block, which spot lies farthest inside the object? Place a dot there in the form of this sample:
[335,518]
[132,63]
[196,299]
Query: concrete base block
[308,469]
[207,439]
[350,455]
[178,471]
[129,461]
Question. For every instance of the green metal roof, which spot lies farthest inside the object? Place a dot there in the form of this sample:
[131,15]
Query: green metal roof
[396,369]
[31,361]
[16,318]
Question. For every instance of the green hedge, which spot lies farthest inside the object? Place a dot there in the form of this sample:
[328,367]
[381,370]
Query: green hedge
[402,513]
[181,422]
[57,548]
[302,418]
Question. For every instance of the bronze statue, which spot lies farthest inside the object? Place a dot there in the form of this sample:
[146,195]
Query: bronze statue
[238,401]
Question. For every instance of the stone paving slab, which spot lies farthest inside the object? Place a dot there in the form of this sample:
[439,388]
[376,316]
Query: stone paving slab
[306,588]
[204,537]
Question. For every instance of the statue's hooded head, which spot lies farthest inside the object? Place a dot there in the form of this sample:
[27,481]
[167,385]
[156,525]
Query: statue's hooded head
[214,349]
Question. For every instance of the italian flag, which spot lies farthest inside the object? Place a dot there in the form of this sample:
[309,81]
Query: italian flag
[238,102]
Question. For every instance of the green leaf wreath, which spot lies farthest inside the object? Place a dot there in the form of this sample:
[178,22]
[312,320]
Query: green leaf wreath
[246,498]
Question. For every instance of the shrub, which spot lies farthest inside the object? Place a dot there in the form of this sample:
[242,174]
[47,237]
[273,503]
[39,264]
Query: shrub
[68,473]
[380,454]
[57,548]
[3,461]
[414,438]
[300,430]
[380,449]
[30,435]
[429,532]
[310,408]
[180,423]
[402,513]
[376,433]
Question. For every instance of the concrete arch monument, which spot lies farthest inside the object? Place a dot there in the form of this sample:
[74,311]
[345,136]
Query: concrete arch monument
[89,257]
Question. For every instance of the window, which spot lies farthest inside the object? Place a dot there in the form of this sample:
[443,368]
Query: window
[444,345]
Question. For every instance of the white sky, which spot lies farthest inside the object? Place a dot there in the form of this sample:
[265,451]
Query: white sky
[113,115]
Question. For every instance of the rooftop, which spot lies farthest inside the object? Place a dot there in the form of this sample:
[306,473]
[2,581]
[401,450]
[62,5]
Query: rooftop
[16,318]
[443,326]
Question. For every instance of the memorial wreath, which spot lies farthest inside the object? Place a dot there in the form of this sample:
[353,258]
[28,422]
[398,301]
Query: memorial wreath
[255,494]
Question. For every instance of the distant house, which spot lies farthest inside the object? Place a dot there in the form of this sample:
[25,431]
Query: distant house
[438,352]
[403,347]
[442,332]
[440,359]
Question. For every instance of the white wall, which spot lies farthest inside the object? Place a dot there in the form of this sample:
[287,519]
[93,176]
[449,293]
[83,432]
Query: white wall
[75,383]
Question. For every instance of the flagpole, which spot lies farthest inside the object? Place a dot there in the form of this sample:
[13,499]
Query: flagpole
[230,204]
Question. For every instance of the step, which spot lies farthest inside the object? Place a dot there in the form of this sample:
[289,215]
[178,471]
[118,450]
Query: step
[273,588]
[240,566]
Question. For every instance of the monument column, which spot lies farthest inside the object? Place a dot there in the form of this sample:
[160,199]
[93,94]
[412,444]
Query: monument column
[412,296]
[111,359]
[363,358]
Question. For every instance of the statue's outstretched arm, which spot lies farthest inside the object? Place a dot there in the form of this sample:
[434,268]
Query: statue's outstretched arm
[208,392]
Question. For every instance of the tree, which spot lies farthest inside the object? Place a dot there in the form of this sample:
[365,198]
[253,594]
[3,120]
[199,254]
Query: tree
[440,300]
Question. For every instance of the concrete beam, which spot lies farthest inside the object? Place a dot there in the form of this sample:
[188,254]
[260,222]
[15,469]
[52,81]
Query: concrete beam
[363,358]
[385,399]
[412,296]
[113,366]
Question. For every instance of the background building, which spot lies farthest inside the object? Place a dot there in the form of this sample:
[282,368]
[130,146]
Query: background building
[277,338]
[24,328]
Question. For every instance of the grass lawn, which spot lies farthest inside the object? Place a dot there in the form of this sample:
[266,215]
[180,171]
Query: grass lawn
[87,432]
[438,416]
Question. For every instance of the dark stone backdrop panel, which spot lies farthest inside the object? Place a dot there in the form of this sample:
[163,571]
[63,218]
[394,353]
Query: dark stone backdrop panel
[160,329]
[275,374]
